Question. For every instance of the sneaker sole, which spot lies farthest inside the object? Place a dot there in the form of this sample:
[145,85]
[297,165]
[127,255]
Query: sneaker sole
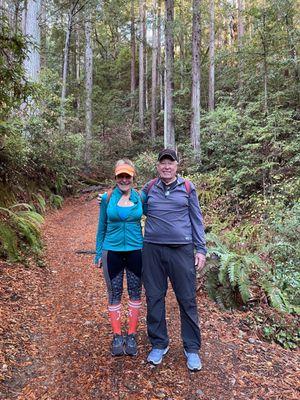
[117,354]
[159,362]
[131,355]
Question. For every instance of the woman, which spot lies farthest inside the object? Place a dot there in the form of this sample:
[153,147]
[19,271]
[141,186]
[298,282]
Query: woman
[118,249]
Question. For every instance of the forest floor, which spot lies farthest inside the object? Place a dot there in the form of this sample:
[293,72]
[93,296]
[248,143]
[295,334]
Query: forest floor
[55,335]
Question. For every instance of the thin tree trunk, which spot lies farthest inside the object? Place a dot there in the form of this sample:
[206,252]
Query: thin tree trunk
[88,90]
[141,65]
[71,14]
[169,133]
[181,48]
[78,63]
[265,62]
[195,122]
[146,74]
[159,66]
[154,72]
[211,81]
[240,6]
[133,57]
[65,67]
[44,33]
[293,52]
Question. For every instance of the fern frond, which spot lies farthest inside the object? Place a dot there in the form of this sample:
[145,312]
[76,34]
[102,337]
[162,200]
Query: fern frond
[244,283]
[56,200]
[8,241]
[233,271]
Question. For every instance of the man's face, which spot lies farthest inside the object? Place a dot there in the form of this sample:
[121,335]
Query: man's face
[167,169]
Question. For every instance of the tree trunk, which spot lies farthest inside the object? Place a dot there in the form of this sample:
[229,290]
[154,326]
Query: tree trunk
[169,131]
[44,33]
[195,122]
[30,24]
[265,62]
[77,67]
[211,80]
[133,56]
[88,90]
[181,47]
[159,59]
[240,6]
[65,67]
[154,72]
[141,65]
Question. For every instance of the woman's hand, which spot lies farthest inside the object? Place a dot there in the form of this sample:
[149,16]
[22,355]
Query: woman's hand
[99,198]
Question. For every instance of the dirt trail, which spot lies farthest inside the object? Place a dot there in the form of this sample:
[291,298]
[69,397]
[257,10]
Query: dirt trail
[69,336]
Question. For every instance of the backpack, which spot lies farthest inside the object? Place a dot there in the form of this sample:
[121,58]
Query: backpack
[187,185]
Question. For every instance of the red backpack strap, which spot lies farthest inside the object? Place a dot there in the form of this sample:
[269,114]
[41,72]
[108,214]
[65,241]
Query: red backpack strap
[188,187]
[109,193]
[151,183]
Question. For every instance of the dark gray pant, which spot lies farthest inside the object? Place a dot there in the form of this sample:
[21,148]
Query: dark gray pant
[161,262]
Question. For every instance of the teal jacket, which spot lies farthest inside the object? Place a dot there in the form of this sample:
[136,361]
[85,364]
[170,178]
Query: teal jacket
[114,233]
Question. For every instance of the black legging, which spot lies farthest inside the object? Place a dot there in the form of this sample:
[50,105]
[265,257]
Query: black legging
[114,264]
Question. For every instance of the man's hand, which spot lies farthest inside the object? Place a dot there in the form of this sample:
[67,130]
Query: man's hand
[99,264]
[199,261]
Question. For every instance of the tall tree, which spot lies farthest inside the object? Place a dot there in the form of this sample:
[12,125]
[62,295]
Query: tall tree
[71,14]
[211,79]
[133,55]
[195,121]
[154,71]
[141,64]
[169,124]
[88,90]
[159,58]
[30,28]
[240,35]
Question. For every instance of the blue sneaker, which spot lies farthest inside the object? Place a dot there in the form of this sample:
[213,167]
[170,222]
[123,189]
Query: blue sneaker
[156,355]
[193,361]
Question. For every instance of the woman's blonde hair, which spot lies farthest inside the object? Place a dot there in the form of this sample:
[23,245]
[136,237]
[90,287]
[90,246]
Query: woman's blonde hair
[124,161]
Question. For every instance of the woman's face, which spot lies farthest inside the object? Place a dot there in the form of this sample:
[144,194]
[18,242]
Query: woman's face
[124,182]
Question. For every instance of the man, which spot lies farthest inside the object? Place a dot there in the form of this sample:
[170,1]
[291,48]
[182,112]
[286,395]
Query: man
[173,230]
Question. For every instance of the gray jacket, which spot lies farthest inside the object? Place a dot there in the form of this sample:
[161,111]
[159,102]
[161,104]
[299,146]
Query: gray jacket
[174,218]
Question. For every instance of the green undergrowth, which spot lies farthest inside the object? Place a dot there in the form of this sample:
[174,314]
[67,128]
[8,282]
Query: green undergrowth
[20,223]
[275,327]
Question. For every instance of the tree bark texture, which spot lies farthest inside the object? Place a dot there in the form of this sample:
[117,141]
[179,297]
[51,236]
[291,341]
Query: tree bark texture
[30,25]
[195,122]
[211,79]
[159,59]
[141,64]
[65,67]
[169,131]
[133,56]
[154,72]
[88,91]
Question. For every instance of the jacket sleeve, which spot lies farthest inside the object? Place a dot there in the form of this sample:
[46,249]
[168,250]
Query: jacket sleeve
[102,225]
[197,222]
[144,197]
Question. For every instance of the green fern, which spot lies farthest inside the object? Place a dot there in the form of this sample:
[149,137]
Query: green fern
[23,224]
[56,200]
[8,241]
[41,202]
